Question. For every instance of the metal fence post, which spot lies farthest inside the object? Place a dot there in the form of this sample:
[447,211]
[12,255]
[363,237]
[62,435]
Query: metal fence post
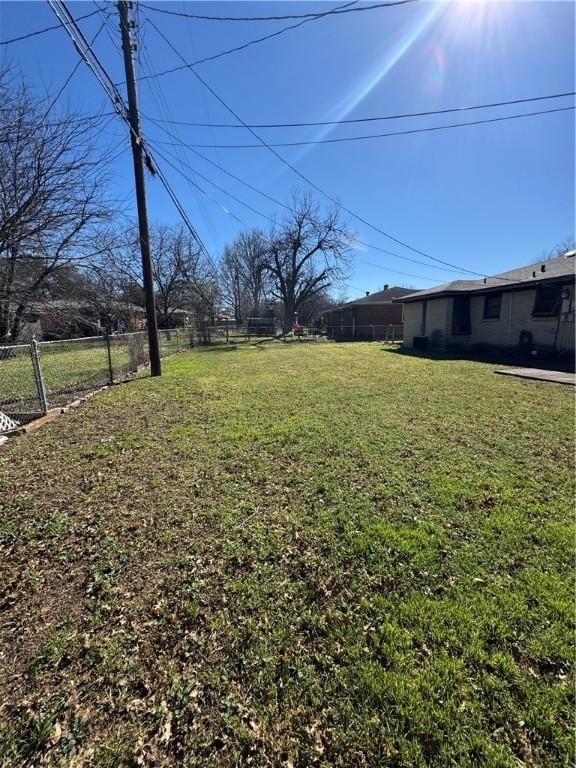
[393,333]
[38,376]
[109,353]
[177,341]
[226,330]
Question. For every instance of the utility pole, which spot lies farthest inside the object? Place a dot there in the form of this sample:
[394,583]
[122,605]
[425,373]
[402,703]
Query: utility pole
[135,139]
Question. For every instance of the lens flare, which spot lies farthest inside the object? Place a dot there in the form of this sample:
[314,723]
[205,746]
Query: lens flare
[377,73]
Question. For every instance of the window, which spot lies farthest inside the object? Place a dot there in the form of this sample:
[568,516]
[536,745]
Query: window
[548,300]
[461,315]
[492,305]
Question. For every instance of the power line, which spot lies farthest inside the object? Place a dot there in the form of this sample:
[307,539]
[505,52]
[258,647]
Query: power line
[268,218]
[162,104]
[111,37]
[342,139]
[213,199]
[371,119]
[82,119]
[247,44]
[396,271]
[213,183]
[305,178]
[256,41]
[68,22]
[229,173]
[241,221]
[71,75]
[288,208]
[405,258]
[189,24]
[335,11]
[46,29]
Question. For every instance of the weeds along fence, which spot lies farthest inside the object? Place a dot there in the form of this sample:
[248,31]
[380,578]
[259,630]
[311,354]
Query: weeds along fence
[41,375]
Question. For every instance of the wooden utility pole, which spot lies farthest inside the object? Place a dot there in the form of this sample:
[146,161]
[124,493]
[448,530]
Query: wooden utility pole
[135,139]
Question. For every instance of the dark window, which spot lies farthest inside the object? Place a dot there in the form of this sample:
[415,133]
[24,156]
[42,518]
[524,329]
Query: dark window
[548,300]
[492,305]
[461,315]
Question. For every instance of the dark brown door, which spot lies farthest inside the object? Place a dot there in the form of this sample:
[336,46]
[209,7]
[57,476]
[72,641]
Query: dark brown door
[460,315]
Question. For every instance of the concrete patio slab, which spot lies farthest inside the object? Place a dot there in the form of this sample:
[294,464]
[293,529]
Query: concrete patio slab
[558,377]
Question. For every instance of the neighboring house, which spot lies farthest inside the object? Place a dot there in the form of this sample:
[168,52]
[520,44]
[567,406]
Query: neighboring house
[367,318]
[527,311]
[68,319]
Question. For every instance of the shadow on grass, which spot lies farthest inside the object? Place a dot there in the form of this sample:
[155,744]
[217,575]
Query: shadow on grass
[566,364]
[223,348]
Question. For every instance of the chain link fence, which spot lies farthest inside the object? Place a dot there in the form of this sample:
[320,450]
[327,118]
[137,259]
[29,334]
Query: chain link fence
[41,375]
[48,374]
[389,334]
[252,333]
[19,393]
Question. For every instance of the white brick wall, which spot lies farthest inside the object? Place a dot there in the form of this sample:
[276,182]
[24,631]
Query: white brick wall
[515,317]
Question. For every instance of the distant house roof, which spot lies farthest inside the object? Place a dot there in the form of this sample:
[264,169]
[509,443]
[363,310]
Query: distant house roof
[380,297]
[553,269]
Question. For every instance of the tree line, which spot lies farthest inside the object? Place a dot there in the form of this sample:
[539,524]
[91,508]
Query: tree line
[65,242]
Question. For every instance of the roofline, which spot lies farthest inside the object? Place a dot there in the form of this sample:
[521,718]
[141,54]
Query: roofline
[518,285]
[359,303]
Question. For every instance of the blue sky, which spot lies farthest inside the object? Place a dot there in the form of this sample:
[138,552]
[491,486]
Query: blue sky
[487,198]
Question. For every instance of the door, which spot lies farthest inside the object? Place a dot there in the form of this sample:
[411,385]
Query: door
[461,316]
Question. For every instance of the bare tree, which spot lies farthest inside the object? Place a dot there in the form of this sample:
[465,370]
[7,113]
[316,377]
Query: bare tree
[112,285]
[50,199]
[244,274]
[307,253]
[315,306]
[564,246]
[232,286]
[182,277]
[179,272]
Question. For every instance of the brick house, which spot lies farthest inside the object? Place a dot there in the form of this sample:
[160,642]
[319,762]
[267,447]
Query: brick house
[370,317]
[527,312]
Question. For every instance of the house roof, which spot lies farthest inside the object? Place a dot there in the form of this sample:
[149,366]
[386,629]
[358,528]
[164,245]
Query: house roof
[542,271]
[380,297]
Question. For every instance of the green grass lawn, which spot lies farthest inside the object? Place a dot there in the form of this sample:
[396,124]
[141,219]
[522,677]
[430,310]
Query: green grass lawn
[299,555]
[66,367]
[74,366]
